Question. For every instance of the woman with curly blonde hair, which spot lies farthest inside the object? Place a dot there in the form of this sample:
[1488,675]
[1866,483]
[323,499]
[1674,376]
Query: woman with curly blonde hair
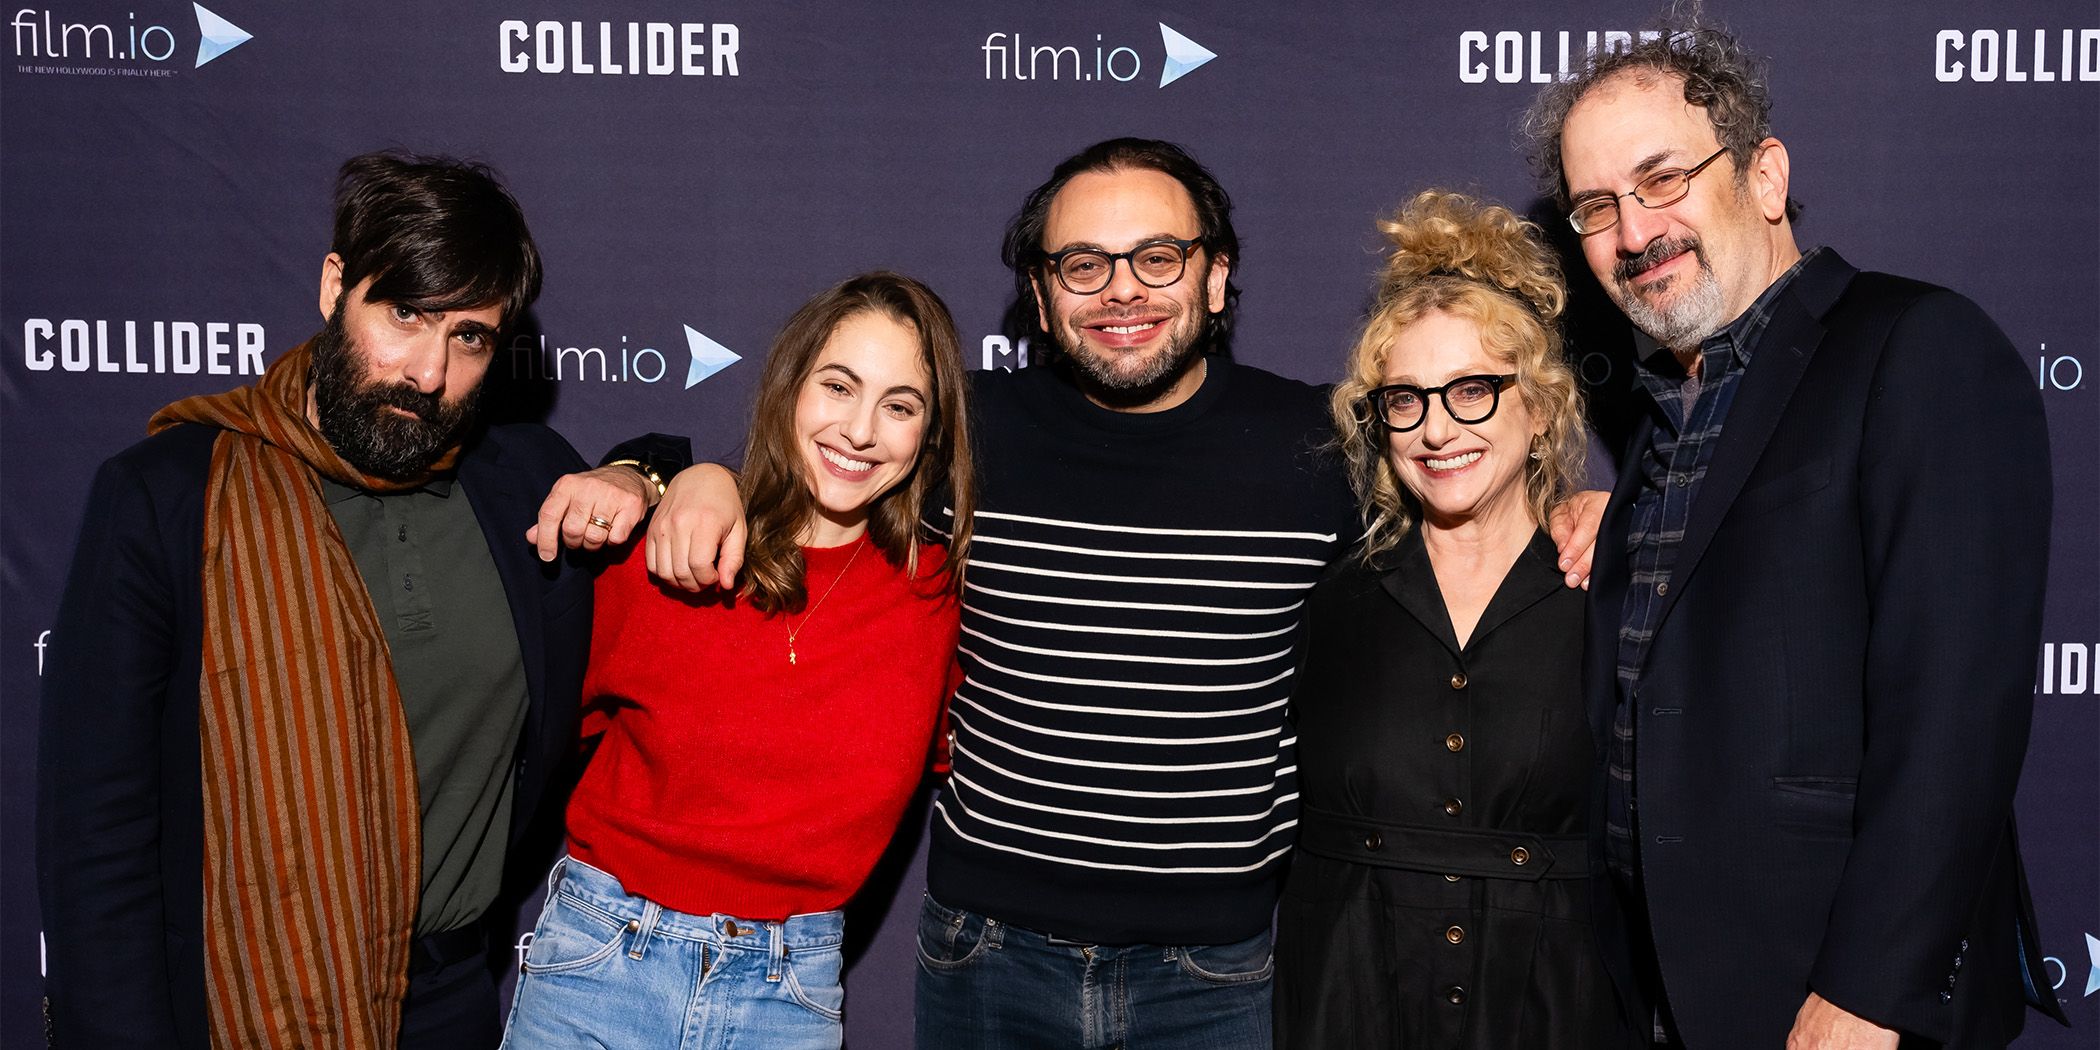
[1439,897]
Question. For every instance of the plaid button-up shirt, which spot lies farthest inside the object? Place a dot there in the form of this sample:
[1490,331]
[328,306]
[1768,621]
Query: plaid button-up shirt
[1689,412]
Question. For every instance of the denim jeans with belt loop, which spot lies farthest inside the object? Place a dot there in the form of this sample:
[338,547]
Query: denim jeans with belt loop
[609,969]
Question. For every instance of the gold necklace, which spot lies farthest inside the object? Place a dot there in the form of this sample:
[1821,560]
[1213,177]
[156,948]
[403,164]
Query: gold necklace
[794,630]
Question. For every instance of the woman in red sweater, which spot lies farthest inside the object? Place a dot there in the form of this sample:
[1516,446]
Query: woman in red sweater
[759,746]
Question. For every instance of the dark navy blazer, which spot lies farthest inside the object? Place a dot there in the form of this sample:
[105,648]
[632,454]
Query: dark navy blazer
[1830,723]
[120,832]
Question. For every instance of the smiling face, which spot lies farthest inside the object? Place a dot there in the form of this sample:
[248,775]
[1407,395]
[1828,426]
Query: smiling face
[1683,271]
[860,417]
[1460,472]
[395,387]
[1135,347]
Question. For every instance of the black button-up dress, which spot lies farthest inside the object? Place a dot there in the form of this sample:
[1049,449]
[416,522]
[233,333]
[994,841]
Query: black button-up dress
[1439,896]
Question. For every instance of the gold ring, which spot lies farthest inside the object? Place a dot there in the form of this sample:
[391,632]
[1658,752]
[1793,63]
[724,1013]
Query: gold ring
[601,523]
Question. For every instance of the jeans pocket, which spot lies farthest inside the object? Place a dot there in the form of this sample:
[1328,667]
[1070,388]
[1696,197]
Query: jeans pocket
[1242,962]
[815,979]
[573,934]
[950,939]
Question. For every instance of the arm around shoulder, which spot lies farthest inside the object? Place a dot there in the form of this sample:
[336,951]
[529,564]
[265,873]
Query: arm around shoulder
[590,509]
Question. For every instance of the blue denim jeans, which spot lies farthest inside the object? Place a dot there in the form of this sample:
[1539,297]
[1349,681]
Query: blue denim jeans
[985,985]
[610,970]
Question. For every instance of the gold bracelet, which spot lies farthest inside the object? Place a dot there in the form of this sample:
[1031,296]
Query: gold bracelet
[648,473]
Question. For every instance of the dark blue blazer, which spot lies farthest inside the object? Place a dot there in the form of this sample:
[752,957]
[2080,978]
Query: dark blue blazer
[120,822]
[1830,722]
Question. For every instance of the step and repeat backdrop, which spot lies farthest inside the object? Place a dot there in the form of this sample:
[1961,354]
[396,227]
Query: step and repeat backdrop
[694,170]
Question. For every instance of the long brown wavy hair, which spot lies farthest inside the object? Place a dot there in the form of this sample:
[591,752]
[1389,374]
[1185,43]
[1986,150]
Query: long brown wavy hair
[1481,262]
[775,488]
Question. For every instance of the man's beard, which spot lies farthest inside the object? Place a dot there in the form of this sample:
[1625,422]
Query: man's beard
[1157,372]
[1695,310]
[357,417]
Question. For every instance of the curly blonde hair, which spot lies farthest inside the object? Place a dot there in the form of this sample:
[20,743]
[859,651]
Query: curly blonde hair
[1480,262]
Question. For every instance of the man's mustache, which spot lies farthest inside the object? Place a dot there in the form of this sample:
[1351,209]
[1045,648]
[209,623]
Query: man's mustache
[1657,253]
[427,408]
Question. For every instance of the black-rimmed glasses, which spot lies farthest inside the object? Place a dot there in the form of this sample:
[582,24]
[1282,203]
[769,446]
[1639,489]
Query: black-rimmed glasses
[1660,190]
[1402,407]
[1157,264]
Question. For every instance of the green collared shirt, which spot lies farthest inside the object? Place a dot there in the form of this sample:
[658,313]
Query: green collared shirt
[433,584]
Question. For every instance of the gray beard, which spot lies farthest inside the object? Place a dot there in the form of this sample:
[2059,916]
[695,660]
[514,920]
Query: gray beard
[1695,314]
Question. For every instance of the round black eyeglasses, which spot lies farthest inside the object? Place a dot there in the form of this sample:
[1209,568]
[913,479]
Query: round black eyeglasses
[1157,264]
[1402,407]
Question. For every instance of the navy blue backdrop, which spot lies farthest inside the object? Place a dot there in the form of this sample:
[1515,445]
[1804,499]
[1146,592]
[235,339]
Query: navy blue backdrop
[693,170]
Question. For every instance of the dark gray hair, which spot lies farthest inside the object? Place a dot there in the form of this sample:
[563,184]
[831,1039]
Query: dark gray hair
[1720,77]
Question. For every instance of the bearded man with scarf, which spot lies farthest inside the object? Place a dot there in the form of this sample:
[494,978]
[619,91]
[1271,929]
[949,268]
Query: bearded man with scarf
[309,682]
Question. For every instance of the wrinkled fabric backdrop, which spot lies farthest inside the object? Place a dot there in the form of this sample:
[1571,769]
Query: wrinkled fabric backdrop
[694,170]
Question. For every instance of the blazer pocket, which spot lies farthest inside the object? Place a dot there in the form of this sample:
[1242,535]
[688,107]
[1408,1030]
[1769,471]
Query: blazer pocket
[1802,481]
[1818,803]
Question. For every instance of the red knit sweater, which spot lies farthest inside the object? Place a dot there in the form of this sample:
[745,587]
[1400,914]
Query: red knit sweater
[731,781]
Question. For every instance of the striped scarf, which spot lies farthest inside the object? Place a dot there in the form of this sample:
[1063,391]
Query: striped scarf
[312,831]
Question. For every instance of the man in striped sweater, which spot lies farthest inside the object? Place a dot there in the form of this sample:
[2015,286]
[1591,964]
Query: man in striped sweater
[1108,846]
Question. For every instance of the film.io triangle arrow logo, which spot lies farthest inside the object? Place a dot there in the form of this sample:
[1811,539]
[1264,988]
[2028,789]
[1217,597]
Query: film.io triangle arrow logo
[708,357]
[1183,55]
[216,36]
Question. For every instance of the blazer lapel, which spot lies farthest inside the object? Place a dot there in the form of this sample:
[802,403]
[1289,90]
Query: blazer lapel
[505,504]
[1412,583]
[1780,360]
[1532,578]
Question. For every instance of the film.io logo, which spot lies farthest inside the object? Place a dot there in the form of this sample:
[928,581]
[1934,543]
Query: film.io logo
[1008,57]
[535,357]
[2060,972]
[2058,371]
[52,41]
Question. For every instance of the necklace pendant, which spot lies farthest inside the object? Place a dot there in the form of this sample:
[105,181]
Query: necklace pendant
[792,630]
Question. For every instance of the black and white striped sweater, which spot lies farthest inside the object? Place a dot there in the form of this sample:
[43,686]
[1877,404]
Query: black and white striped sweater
[1122,767]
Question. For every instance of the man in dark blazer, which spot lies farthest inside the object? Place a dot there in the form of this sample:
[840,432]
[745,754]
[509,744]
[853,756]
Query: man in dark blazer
[1816,597]
[485,641]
